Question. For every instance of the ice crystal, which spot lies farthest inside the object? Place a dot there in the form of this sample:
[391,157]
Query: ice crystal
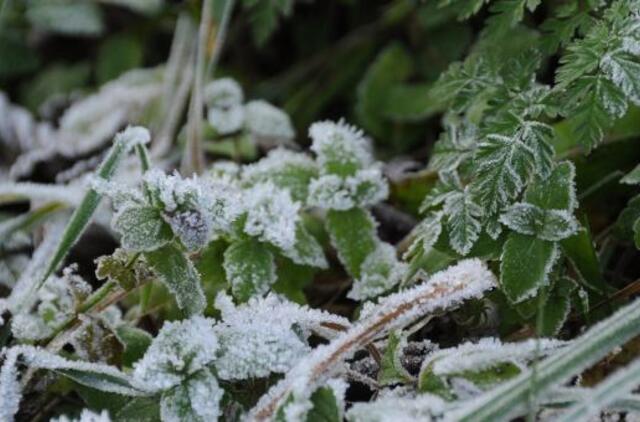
[380,271]
[266,121]
[181,348]
[85,416]
[132,136]
[339,144]
[271,215]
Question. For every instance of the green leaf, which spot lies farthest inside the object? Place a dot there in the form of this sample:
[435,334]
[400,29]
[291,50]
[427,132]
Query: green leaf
[139,409]
[197,399]
[636,231]
[552,225]
[264,17]
[325,406]
[624,72]
[142,228]
[24,59]
[537,136]
[463,220]
[556,307]
[177,272]
[390,372]
[526,263]
[494,375]
[65,17]
[353,234]
[56,79]
[503,165]
[135,342]
[582,254]
[624,227]
[633,177]
[556,191]
[250,268]
[116,55]
[306,250]
[100,381]
[390,68]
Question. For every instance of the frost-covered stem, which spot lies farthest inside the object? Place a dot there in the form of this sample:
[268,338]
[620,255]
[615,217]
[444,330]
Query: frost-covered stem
[510,398]
[193,158]
[448,288]
[614,387]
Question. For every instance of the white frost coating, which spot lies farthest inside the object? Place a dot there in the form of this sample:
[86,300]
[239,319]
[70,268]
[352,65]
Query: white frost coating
[380,271]
[271,215]
[264,335]
[132,136]
[425,407]
[118,192]
[546,224]
[267,121]
[487,352]
[86,416]
[223,92]
[10,390]
[275,161]
[180,349]
[468,279]
[340,142]
[366,187]
[173,190]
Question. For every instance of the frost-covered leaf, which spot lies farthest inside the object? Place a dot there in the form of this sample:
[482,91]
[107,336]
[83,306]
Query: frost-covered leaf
[455,146]
[271,215]
[180,276]
[426,234]
[528,219]
[326,406]
[267,122]
[537,136]
[197,399]
[306,250]
[353,235]
[624,71]
[286,169]
[181,349]
[365,188]
[341,149]
[425,407]
[463,220]
[262,336]
[141,228]
[503,165]
[379,272]
[391,370]
[556,307]
[250,269]
[135,342]
[526,263]
[556,191]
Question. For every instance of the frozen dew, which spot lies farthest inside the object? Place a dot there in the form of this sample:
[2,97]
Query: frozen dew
[226,120]
[180,349]
[365,188]
[425,407]
[132,136]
